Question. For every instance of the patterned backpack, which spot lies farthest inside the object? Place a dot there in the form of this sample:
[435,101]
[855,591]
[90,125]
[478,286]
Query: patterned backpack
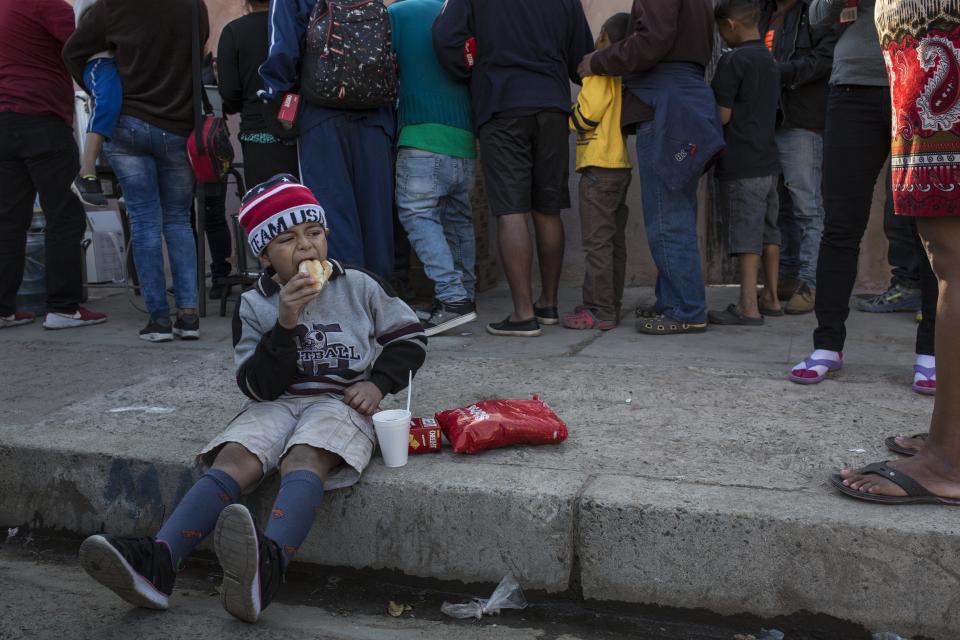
[349,61]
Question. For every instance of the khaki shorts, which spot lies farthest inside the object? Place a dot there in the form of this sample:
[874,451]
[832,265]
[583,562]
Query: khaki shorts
[270,429]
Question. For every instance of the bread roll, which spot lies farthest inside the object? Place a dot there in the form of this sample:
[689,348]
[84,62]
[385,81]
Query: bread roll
[319,270]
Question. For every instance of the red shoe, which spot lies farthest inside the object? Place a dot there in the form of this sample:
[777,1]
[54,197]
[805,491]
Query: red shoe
[82,317]
[583,318]
[18,318]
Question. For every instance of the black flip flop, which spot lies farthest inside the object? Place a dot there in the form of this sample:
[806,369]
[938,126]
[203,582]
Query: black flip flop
[916,492]
[732,316]
[891,443]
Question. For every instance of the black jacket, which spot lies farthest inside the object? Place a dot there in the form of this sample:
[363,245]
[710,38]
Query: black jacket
[805,59]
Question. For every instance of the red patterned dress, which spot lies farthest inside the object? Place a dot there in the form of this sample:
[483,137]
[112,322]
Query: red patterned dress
[921,45]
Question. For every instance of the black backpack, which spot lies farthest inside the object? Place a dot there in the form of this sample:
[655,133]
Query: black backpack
[348,62]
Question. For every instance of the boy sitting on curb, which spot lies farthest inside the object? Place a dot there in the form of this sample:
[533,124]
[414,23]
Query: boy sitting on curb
[315,365]
[604,167]
[747,87]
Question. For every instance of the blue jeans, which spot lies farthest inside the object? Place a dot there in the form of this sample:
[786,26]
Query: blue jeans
[801,213]
[433,203]
[157,182]
[670,220]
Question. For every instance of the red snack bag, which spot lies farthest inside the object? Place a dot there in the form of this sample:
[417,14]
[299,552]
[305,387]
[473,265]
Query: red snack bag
[425,436]
[470,51]
[289,105]
[491,424]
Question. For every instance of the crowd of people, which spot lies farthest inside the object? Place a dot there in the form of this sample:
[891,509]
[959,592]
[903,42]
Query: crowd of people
[795,125]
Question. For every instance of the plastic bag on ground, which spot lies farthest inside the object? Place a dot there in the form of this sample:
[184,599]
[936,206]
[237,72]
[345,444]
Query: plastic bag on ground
[491,424]
[507,595]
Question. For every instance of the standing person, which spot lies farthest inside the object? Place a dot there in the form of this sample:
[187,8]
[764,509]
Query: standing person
[315,364]
[107,97]
[926,135]
[526,56]
[148,151]
[435,165]
[346,155]
[747,88]
[804,57]
[604,167]
[663,62]
[856,147]
[268,149]
[215,211]
[38,154]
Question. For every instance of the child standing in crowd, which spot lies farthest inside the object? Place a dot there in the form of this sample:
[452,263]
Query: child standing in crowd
[747,86]
[435,165]
[102,82]
[315,365]
[604,167]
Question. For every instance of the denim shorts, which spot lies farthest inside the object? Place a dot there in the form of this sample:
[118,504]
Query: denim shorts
[749,208]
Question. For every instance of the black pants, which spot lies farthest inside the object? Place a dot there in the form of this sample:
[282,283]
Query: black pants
[38,155]
[904,253]
[263,161]
[217,229]
[855,148]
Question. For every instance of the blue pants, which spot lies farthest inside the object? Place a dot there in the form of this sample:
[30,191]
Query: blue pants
[433,202]
[801,212]
[347,161]
[157,182]
[103,83]
[670,220]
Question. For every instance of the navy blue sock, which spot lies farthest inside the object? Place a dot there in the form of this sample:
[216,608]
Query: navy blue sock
[196,515]
[301,493]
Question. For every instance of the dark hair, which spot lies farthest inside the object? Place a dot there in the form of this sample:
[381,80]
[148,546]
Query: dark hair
[617,26]
[745,11]
[256,4]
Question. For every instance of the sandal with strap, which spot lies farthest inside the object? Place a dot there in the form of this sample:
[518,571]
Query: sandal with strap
[583,318]
[916,492]
[664,325]
[891,443]
[926,387]
[832,367]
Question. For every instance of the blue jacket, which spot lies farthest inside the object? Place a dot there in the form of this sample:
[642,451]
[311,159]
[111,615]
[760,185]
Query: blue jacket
[686,124]
[428,94]
[281,70]
[527,51]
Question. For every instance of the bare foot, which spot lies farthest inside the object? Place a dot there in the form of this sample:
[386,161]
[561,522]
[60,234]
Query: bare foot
[770,302]
[908,442]
[942,480]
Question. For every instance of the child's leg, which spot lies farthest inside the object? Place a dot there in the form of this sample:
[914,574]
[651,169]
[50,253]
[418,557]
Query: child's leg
[771,275]
[91,151]
[234,470]
[749,270]
[302,473]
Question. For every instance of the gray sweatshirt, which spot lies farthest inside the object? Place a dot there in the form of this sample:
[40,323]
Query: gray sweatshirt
[857,58]
[358,329]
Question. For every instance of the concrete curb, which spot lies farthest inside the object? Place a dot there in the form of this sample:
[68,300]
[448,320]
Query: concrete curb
[619,538]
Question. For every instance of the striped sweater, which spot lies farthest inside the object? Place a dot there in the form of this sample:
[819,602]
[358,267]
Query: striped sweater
[358,329]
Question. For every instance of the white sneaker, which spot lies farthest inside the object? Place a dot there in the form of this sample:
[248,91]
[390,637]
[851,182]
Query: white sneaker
[80,318]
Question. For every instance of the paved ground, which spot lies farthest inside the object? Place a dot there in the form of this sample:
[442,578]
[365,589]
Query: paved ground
[708,489]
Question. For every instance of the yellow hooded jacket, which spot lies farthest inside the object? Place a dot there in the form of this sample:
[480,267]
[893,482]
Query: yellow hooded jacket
[596,119]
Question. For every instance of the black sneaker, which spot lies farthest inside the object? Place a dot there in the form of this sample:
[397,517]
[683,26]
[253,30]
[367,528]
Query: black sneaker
[252,564]
[159,329]
[89,191]
[187,327]
[139,570]
[523,329]
[547,315]
[449,315]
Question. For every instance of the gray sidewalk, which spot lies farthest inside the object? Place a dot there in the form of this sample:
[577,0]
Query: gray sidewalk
[708,489]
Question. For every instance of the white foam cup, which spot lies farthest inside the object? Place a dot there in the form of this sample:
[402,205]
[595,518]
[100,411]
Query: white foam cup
[393,434]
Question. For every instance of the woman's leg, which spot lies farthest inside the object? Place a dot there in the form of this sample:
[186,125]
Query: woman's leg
[937,465]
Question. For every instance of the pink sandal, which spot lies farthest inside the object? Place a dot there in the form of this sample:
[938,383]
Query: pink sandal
[809,376]
[583,319]
[926,387]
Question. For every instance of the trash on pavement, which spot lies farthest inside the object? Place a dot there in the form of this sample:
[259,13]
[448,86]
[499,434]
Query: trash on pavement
[397,609]
[150,410]
[491,424]
[887,635]
[857,450]
[12,533]
[507,595]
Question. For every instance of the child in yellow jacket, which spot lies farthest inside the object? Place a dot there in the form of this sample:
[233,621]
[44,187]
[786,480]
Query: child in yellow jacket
[605,171]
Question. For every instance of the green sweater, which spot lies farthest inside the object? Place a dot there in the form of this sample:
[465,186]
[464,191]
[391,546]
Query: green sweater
[428,96]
